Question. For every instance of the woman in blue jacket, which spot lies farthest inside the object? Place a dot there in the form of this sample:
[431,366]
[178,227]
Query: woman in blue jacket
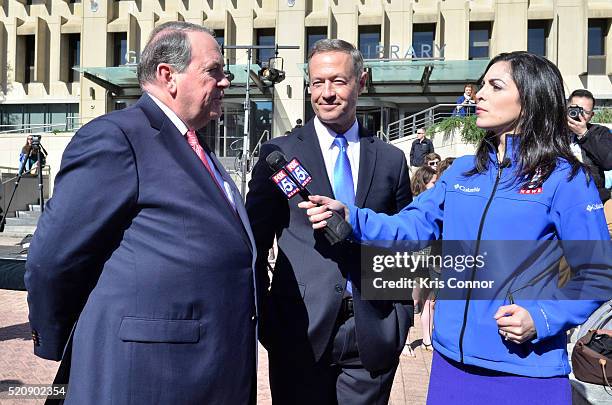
[466,102]
[523,184]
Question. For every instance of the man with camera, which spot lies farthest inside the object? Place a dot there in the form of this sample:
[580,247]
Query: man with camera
[591,143]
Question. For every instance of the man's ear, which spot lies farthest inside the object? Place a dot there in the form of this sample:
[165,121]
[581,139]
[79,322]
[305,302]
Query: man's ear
[362,81]
[166,77]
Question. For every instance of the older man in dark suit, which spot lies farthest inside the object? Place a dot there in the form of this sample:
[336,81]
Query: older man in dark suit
[147,245]
[326,344]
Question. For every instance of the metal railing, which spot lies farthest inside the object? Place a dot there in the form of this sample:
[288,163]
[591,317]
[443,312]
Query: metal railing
[32,128]
[264,137]
[46,170]
[382,135]
[408,125]
[72,123]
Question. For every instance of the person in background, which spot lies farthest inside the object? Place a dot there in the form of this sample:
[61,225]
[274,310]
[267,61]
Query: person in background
[432,160]
[523,184]
[444,164]
[424,179]
[420,148]
[466,102]
[591,143]
[28,155]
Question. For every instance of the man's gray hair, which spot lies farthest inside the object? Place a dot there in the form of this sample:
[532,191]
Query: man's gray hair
[169,44]
[338,45]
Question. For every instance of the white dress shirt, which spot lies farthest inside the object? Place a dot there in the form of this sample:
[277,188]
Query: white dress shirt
[330,152]
[182,128]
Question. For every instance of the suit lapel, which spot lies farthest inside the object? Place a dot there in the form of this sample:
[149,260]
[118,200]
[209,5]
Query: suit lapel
[172,140]
[367,163]
[240,210]
[308,151]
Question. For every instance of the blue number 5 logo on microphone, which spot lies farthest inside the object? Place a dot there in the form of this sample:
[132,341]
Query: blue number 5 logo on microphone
[284,182]
[299,172]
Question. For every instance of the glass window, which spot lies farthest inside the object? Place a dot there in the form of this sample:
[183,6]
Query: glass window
[42,116]
[480,37]
[74,57]
[423,36]
[264,37]
[35,114]
[369,40]
[12,114]
[233,126]
[596,52]
[30,57]
[314,34]
[597,37]
[261,122]
[119,48]
[537,35]
[220,37]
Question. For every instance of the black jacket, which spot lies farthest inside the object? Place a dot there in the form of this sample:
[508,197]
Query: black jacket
[299,310]
[596,146]
[418,151]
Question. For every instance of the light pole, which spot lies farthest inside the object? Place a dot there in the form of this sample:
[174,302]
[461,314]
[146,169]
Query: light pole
[246,150]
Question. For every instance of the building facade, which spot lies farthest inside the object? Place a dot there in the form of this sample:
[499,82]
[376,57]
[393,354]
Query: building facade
[68,61]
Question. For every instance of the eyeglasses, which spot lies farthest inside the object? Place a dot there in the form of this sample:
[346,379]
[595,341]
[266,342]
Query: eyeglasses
[435,163]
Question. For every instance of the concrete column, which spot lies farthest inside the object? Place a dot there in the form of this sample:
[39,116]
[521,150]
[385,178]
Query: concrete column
[399,15]
[94,47]
[345,22]
[510,26]
[242,26]
[455,29]
[571,43]
[55,50]
[289,94]
[41,59]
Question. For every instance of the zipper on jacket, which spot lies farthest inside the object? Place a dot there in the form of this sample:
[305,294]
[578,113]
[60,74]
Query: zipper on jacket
[500,168]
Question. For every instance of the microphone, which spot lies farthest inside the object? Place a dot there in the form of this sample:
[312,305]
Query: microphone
[292,178]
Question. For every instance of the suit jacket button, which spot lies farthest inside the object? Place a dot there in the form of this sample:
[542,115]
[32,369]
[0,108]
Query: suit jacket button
[338,288]
[254,318]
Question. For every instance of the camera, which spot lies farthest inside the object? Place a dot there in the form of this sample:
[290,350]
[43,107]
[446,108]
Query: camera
[574,112]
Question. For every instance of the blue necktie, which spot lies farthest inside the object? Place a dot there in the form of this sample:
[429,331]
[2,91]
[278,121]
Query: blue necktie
[343,181]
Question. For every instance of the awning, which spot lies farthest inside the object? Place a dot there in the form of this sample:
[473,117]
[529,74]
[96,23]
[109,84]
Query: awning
[389,77]
[123,80]
[419,76]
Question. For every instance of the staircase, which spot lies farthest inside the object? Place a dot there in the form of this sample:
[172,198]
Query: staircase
[24,222]
[407,126]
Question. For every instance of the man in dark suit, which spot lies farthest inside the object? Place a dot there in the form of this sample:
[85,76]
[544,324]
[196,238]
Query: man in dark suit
[147,245]
[326,345]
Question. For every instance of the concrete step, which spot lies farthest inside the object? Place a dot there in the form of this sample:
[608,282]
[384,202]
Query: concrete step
[28,214]
[22,221]
[18,230]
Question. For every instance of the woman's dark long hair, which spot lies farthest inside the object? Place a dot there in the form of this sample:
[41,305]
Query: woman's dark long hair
[542,122]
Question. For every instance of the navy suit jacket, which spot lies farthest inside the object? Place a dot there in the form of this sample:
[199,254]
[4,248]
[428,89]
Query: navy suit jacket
[139,245]
[300,309]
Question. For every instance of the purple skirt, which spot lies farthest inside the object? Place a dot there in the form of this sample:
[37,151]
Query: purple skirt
[455,383]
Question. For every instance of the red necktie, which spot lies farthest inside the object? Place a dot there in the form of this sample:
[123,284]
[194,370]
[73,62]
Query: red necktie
[192,139]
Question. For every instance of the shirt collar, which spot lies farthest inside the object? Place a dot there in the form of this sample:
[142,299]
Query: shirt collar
[326,135]
[178,123]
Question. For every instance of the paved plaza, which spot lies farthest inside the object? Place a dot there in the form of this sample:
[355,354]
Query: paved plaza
[18,365]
